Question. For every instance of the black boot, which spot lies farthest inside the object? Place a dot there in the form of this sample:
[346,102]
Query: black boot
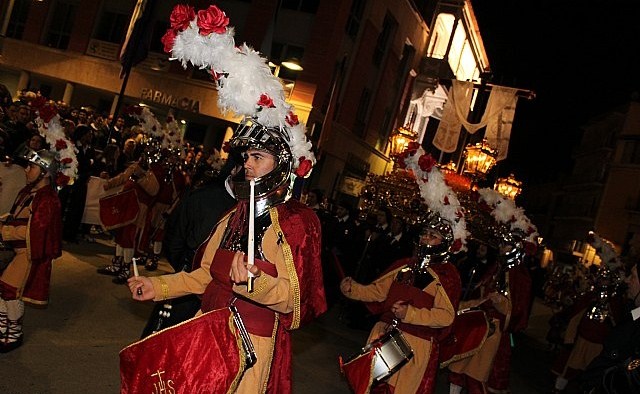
[112,269]
[152,263]
[123,275]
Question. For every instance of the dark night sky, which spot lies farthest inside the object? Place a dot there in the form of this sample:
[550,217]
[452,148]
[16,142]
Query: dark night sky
[581,57]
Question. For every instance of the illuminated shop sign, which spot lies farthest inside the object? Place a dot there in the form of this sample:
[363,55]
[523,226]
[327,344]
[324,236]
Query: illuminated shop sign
[159,97]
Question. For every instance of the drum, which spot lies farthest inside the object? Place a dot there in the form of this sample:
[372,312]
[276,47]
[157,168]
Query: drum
[179,359]
[469,331]
[378,360]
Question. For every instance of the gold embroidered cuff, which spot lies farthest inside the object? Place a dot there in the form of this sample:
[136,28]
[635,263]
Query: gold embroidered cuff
[259,284]
[165,288]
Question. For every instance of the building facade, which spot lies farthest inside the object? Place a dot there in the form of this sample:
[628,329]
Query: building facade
[363,63]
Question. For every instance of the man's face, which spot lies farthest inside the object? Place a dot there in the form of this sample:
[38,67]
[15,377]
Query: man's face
[633,284]
[120,123]
[430,237]
[482,251]
[32,172]
[82,117]
[312,199]
[129,146]
[258,163]
[381,218]
[396,226]
[35,143]
[23,115]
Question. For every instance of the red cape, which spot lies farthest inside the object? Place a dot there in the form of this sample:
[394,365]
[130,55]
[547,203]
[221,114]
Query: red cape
[44,244]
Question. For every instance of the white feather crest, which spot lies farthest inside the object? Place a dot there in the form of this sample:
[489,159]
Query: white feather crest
[53,133]
[505,211]
[439,196]
[245,78]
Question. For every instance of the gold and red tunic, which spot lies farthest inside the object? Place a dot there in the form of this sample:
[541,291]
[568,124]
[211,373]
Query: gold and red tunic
[35,232]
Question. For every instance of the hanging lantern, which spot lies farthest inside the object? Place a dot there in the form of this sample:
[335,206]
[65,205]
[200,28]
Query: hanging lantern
[479,159]
[400,139]
[509,187]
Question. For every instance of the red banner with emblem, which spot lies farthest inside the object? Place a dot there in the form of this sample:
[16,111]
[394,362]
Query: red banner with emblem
[119,209]
[201,355]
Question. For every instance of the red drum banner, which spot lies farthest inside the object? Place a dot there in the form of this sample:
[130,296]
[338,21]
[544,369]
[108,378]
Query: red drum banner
[201,355]
[118,210]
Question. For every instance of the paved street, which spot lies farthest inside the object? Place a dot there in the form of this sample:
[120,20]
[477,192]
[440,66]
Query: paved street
[72,346]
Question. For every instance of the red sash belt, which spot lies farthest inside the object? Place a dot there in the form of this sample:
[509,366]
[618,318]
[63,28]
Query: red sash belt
[258,319]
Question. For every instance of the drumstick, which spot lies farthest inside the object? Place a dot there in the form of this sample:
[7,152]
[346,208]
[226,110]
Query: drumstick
[250,246]
[135,275]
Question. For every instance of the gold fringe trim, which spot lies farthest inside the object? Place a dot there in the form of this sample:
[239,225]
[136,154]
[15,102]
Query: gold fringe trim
[243,361]
[273,347]
[470,353]
[260,283]
[291,268]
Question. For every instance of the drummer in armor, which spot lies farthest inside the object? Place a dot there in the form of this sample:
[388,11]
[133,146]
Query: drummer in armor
[288,289]
[505,295]
[420,296]
[33,228]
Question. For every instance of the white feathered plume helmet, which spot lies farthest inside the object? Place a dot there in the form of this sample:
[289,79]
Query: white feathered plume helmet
[245,82]
[512,217]
[49,127]
[440,198]
[168,134]
[604,250]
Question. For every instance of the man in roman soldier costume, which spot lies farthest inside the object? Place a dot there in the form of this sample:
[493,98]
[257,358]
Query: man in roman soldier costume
[33,228]
[421,293]
[287,275]
[505,294]
[145,182]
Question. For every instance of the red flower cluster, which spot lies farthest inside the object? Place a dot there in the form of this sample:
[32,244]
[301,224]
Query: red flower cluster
[411,150]
[38,102]
[47,112]
[266,101]
[212,20]
[62,179]
[304,167]
[446,200]
[168,40]
[66,160]
[61,144]
[292,119]
[456,245]
[180,18]
[226,148]
[426,162]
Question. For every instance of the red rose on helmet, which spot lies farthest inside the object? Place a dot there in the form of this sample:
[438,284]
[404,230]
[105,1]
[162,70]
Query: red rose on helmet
[181,16]
[304,167]
[168,40]
[456,245]
[66,160]
[266,101]
[61,144]
[47,112]
[212,20]
[292,119]
[62,179]
[38,102]
[426,162]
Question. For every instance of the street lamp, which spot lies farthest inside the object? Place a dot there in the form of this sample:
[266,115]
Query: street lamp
[509,187]
[400,139]
[479,159]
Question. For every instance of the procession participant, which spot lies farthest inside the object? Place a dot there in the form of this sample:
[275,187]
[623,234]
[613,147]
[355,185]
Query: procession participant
[505,292]
[288,275]
[188,226]
[146,186]
[418,294]
[172,184]
[593,316]
[615,369]
[33,228]
[422,293]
